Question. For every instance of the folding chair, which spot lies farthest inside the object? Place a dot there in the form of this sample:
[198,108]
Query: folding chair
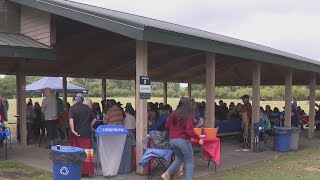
[5,136]
[214,163]
[157,143]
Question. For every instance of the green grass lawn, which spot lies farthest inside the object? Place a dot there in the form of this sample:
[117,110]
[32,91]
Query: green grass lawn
[298,165]
[14,170]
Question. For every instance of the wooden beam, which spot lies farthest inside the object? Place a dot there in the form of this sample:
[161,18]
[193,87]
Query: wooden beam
[83,45]
[141,104]
[165,92]
[288,98]
[64,89]
[104,89]
[312,101]
[189,90]
[21,84]
[210,89]
[256,78]
[53,30]
[110,57]
[167,54]
[120,67]
[172,64]
[187,72]
[219,70]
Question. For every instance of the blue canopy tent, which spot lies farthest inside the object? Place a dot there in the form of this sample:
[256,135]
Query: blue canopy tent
[55,84]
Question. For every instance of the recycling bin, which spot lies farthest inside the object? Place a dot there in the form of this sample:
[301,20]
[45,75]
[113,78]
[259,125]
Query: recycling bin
[111,140]
[282,138]
[294,142]
[67,161]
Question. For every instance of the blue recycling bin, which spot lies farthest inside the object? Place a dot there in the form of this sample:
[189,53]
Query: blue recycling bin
[67,161]
[111,140]
[282,138]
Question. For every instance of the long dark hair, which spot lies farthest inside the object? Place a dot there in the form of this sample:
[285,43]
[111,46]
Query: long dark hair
[183,110]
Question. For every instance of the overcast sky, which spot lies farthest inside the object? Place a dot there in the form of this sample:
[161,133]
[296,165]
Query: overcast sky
[289,25]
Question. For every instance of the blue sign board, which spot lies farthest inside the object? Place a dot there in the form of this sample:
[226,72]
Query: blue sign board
[145,87]
[111,130]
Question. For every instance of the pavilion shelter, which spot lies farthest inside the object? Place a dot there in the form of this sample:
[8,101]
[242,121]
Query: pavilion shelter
[69,39]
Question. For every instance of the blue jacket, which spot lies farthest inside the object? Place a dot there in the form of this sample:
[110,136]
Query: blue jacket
[159,125]
[157,153]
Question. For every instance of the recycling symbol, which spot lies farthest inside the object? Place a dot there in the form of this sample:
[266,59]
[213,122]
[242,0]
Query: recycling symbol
[64,171]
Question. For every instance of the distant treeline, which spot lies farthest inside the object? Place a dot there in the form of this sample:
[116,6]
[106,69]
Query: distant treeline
[118,88]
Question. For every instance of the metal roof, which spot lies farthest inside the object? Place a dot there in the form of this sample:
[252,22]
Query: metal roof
[19,40]
[17,45]
[142,28]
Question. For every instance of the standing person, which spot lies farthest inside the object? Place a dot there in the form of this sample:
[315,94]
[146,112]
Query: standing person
[60,109]
[294,103]
[2,113]
[29,120]
[246,117]
[180,126]
[38,123]
[5,106]
[247,105]
[130,119]
[64,122]
[49,110]
[81,122]
[88,102]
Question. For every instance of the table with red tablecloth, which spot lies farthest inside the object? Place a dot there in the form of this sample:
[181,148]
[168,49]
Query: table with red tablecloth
[211,148]
[304,119]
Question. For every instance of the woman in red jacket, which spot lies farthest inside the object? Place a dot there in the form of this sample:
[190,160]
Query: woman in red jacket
[180,126]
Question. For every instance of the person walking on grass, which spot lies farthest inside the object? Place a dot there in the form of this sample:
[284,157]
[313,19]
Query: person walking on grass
[181,130]
[49,110]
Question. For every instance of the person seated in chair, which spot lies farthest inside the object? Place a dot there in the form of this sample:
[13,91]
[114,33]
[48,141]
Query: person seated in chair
[161,121]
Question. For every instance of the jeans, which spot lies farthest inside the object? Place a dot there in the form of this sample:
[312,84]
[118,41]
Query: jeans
[183,151]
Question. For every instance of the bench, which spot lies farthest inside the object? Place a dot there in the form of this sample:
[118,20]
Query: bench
[229,133]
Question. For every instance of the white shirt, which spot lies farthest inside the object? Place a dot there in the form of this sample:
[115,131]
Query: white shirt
[130,121]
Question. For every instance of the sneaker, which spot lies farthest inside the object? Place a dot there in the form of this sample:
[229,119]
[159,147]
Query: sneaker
[181,171]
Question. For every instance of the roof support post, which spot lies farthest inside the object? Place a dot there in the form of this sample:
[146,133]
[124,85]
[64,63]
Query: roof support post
[165,92]
[256,78]
[141,104]
[65,90]
[288,98]
[21,99]
[189,90]
[210,89]
[312,101]
[104,89]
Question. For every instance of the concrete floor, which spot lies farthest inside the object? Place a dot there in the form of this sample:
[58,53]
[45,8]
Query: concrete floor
[232,155]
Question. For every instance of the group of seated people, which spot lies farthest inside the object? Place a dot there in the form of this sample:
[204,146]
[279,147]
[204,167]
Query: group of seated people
[274,116]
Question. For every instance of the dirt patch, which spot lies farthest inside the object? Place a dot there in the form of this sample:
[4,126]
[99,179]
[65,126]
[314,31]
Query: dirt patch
[313,169]
[18,174]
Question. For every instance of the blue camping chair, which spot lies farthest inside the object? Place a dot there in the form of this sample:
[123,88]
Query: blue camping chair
[156,148]
[5,136]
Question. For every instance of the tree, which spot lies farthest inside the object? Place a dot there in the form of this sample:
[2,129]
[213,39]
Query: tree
[8,86]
